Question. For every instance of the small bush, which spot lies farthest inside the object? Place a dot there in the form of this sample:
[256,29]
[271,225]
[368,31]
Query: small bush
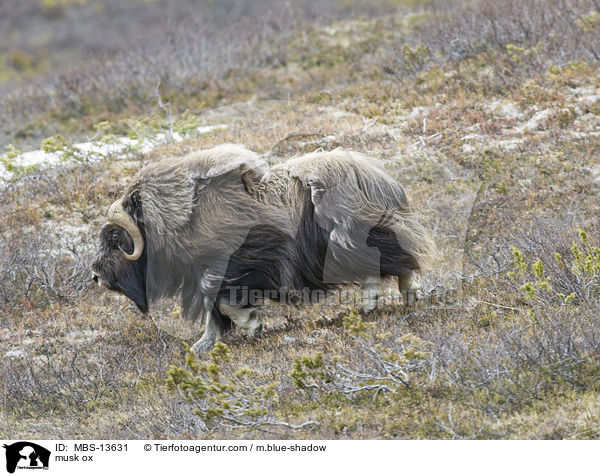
[380,364]
[227,395]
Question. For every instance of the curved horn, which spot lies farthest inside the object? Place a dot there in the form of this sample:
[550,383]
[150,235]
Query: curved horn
[118,216]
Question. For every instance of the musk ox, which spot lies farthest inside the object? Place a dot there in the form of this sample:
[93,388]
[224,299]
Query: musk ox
[219,226]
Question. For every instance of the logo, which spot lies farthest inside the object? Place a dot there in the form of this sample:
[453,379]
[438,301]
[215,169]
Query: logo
[26,455]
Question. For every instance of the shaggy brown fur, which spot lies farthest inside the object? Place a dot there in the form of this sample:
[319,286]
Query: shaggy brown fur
[218,221]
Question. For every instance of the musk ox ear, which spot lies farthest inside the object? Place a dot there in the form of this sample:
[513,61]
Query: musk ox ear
[133,205]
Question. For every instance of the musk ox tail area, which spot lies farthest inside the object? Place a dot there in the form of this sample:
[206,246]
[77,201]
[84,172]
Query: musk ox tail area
[372,231]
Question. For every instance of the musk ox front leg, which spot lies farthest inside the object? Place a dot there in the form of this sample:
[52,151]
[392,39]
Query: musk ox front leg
[211,335]
[217,325]
[409,286]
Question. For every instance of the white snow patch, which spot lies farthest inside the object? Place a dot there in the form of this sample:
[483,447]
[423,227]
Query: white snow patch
[586,95]
[505,109]
[94,150]
[418,111]
[584,135]
[106,148]
[468,148]
[535,122]
[596,175]
[589,99]
[506,144]
[581,90]
[486,143]
[80,337]
[205,129]
[15,354]
[336,113]
[36,157]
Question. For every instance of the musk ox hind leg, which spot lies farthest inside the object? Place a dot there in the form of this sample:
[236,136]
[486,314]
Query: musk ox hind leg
[409,286]
[370,292]
[396,261]
[246,318]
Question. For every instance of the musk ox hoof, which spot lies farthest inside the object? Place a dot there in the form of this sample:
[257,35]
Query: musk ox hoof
[412,296]
[203,346]
[369,306]
[255,332]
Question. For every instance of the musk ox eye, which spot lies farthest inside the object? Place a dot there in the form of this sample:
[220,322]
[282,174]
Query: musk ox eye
[115,237]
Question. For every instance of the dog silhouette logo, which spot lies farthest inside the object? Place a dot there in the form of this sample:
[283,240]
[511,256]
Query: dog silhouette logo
[25,454]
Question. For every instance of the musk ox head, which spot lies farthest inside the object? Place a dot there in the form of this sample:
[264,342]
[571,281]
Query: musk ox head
[120,264]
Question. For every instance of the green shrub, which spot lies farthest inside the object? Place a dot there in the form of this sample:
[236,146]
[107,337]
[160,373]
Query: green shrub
[380,364]
[574,276]
[224,394]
